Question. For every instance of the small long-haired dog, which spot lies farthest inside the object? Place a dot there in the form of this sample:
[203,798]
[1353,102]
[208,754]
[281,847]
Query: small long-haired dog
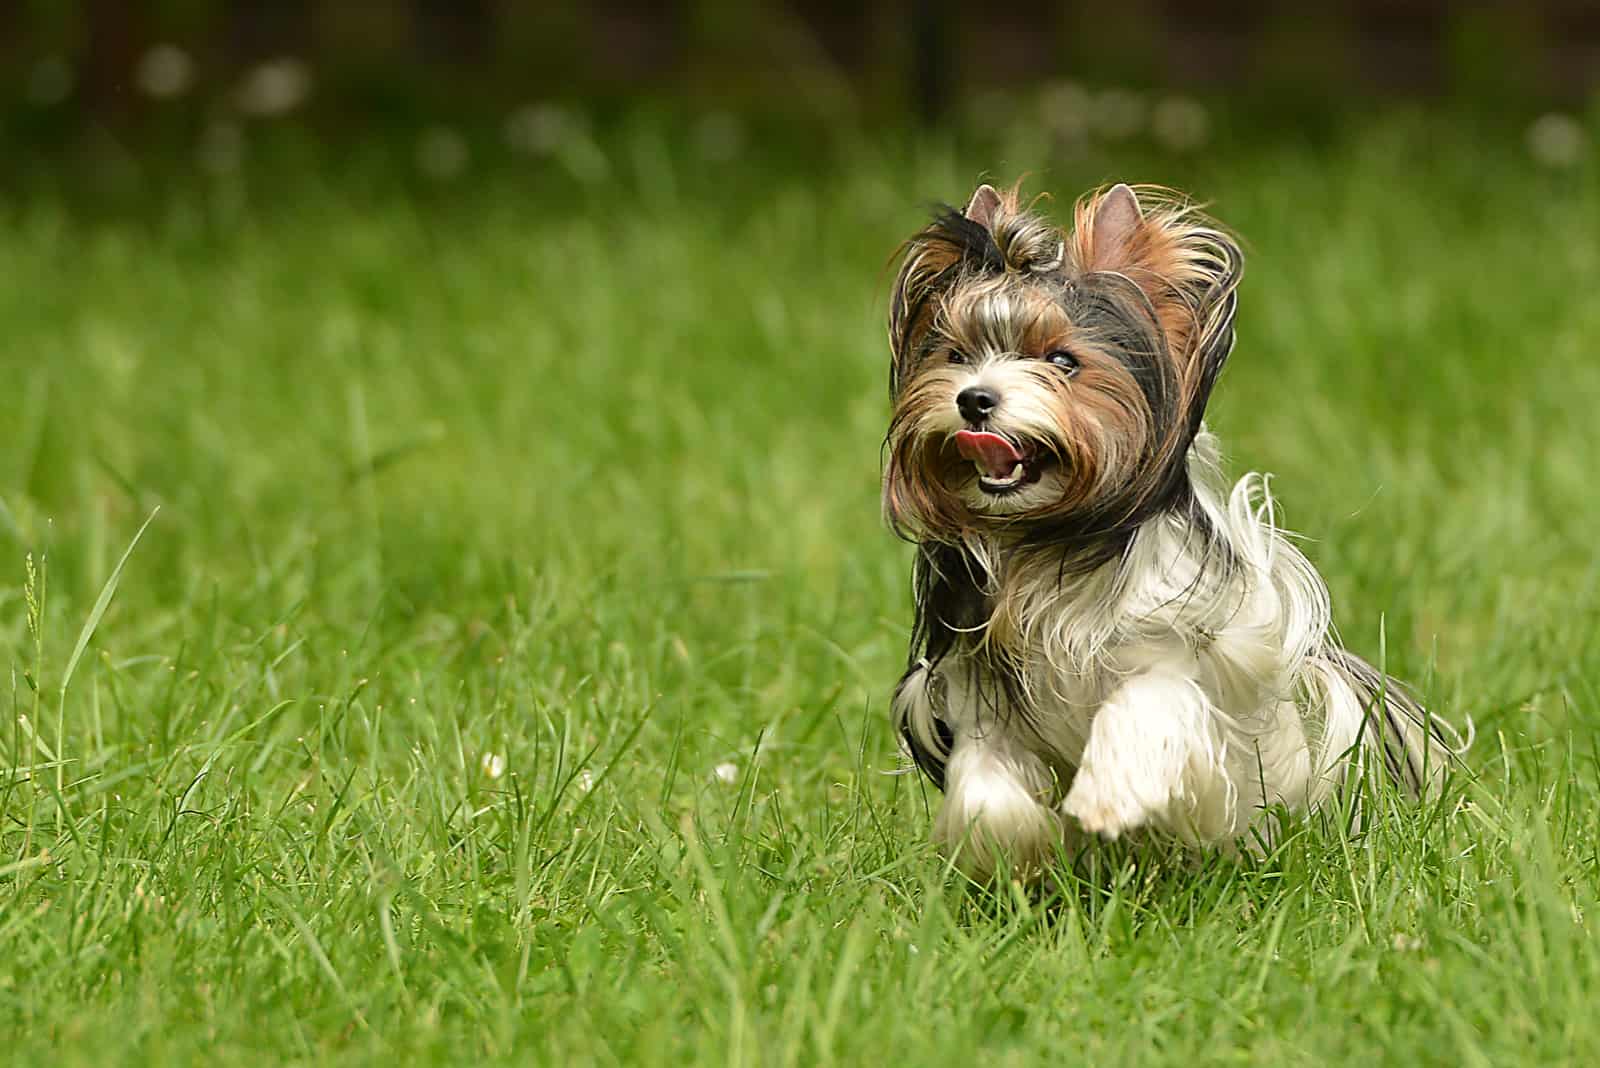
[1106,637]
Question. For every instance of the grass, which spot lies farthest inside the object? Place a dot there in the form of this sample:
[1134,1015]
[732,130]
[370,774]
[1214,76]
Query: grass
[501,677]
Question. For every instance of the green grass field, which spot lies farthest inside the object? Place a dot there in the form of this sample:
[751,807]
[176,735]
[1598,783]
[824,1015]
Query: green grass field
[503,675]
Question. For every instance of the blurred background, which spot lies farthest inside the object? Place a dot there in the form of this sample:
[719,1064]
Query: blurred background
[124,88]
[506,382]
[270,259]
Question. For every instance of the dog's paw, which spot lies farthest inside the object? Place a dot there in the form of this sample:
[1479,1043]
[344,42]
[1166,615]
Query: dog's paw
[1109,813]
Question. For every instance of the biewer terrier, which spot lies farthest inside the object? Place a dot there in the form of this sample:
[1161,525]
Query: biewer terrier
[1106,637]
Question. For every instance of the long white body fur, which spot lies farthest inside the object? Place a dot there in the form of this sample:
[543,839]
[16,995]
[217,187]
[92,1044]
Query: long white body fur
[1158,691]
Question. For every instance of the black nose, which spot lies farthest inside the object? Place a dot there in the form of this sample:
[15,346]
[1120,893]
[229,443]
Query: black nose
[976,403]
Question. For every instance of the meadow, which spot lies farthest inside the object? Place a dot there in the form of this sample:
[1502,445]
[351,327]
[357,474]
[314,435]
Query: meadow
[450,620]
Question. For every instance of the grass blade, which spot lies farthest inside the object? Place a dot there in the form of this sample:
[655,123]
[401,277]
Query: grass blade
[108,591]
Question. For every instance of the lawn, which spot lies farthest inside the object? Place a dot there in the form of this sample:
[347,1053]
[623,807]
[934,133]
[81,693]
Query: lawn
[501,675]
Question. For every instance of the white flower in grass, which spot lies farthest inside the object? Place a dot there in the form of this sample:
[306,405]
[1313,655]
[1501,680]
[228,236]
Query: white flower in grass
[585,780]
[493,765]
[164,72]
[1180,123]
[1117,114]
[441,153]
[50,81]
[1557,140]
[540,129]
[548,130]
[274,88]
[1064,110]
[727,772]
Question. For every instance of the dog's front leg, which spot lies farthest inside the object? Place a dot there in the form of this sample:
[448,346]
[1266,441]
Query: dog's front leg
[1154,756]
[997,805]
[999,796]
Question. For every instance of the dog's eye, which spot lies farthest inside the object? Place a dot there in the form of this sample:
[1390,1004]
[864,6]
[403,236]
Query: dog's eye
[955,356]
[1064,360]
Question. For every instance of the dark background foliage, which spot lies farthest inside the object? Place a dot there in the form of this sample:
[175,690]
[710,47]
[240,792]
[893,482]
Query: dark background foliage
[81,60]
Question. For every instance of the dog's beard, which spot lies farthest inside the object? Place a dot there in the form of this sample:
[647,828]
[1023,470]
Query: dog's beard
[1028,473]
[1053,446]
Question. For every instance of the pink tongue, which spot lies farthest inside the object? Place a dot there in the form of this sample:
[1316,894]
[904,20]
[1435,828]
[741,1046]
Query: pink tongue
[995,453]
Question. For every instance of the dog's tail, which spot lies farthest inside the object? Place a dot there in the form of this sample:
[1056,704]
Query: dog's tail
[1362,704]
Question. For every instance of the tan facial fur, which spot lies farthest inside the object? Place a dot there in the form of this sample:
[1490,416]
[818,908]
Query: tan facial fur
[1137,295]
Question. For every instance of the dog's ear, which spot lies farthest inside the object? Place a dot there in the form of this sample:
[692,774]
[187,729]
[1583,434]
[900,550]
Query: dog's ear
[984,206]
[1155,237]
[1114,225]
[1186,265]
[954,242]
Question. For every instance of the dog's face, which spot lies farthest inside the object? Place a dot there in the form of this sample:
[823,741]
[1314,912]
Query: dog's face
[1046,378]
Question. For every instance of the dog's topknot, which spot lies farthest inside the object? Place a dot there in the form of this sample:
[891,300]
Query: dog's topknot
[1026,242]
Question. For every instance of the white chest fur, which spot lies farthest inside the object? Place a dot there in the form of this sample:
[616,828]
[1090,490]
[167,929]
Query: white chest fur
[1168,689]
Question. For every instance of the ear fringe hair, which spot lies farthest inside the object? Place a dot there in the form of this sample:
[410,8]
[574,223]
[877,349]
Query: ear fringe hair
[1191,257]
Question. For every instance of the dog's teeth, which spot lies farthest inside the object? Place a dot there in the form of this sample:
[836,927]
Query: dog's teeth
[1016,472]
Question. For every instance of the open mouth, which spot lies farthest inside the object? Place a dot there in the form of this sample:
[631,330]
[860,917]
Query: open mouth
[1003,466]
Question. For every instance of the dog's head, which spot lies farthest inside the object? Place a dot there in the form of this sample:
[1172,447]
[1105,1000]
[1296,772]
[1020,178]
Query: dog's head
[1051,381]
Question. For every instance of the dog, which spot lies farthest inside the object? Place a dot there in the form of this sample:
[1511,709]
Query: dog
[1107,639]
